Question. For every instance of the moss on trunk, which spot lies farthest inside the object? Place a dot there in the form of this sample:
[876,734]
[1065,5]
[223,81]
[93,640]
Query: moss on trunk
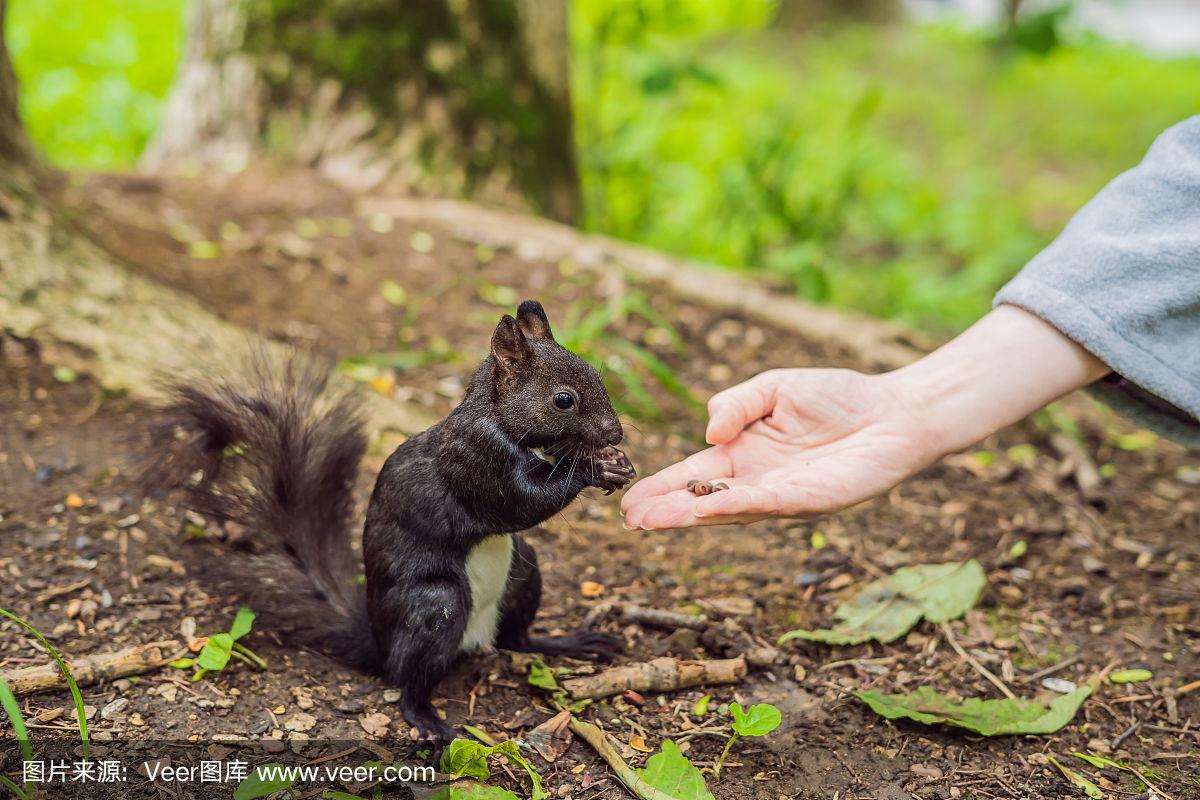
[465,97]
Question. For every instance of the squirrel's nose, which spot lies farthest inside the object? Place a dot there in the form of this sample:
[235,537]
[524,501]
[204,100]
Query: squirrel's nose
[613,434]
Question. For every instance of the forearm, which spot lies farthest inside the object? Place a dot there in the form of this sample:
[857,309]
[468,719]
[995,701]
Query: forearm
[1003,368]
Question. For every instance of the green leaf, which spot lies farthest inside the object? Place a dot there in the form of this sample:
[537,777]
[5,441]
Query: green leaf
[181,663]
[204,250]
[215,654]
[701,707]
[467,758]
[1077,780]
[542,676]
[888,608]
[421,241]
[64,374]
[393,292]
[511,750]
[669,771]
[760,720]
[986,717]
[330,794]
[1100,762]
[241,623]
[1131,676]
[475,792]
[265,780]
[502,296]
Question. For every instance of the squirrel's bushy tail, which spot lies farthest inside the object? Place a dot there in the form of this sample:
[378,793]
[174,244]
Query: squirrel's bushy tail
[279,457]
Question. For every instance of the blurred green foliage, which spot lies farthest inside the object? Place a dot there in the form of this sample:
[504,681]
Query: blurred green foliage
[93,74]
[904,171]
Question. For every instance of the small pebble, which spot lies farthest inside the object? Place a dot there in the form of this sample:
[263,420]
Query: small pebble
[1060,685]
[115,707]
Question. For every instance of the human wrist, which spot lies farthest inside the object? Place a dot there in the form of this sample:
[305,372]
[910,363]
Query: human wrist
[1006,366]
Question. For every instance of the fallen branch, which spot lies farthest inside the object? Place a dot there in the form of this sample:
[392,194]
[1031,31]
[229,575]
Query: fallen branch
[599,741]
[659,675]
[658,618]
[93,668]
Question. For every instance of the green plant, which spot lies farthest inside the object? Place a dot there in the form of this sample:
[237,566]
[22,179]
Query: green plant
[93,75]
[543,677]
[221,647]
[469,758]
[759,720]
[265,780]
[12,709]
[9,703]
[629,368]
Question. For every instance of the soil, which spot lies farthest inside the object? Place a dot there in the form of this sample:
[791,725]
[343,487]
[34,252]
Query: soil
[96,565]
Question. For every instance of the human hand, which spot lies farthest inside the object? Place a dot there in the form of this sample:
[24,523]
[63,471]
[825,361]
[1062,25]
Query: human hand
[802,442]
[791,443]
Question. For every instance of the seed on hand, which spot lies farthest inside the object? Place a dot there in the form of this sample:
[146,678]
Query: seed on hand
[701,488]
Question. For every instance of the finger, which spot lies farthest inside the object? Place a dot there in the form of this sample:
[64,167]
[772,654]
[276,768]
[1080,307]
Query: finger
[711,463]
[675,509]
[733,409]
[662,514]
[739,500]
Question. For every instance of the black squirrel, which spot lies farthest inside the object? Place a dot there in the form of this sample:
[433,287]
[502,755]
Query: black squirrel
[445,571]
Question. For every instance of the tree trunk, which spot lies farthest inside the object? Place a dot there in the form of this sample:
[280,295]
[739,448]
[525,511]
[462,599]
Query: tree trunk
[83,310]
[14,149]
[459,97]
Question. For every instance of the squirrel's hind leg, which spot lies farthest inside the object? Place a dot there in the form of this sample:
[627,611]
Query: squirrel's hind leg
[522,597]
[426,624]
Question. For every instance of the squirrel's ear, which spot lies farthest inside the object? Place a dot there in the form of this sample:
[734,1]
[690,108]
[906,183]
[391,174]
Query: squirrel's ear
[509,346]
[531,317]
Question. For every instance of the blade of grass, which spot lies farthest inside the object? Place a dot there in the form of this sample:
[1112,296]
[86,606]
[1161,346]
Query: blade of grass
[80,714]
[13,709]
[12,787]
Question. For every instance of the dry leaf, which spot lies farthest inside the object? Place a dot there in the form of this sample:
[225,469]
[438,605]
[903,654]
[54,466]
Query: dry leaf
[375,724]
[591,589]
[639,743]
[552,738]
[74,501]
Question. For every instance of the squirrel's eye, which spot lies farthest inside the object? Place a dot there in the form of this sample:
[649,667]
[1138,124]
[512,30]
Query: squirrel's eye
[564,401]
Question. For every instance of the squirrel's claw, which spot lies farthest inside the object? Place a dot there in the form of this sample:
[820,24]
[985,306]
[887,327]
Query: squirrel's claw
[432,731]
[614,470]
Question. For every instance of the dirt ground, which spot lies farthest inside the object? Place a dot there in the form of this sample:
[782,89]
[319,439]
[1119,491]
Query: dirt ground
[96,566]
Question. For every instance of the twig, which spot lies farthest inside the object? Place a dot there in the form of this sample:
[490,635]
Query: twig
[1139,722]
[1083,469]
[599,741]
[1187,688]
[980,668]
[659,675]
[93,668]
[1050,670]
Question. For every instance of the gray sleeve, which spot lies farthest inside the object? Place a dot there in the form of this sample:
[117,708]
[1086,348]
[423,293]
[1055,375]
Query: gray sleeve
[1123,280]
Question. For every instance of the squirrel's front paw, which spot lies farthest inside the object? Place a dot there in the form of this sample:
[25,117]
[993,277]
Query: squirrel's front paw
[614,470]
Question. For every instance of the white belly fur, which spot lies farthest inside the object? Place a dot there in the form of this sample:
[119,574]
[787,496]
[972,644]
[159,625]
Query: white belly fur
[487,571]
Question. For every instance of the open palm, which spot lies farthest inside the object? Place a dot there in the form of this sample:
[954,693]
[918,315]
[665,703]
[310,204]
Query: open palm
[789,443]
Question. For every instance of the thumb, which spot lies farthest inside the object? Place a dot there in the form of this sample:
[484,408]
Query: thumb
[738,406]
